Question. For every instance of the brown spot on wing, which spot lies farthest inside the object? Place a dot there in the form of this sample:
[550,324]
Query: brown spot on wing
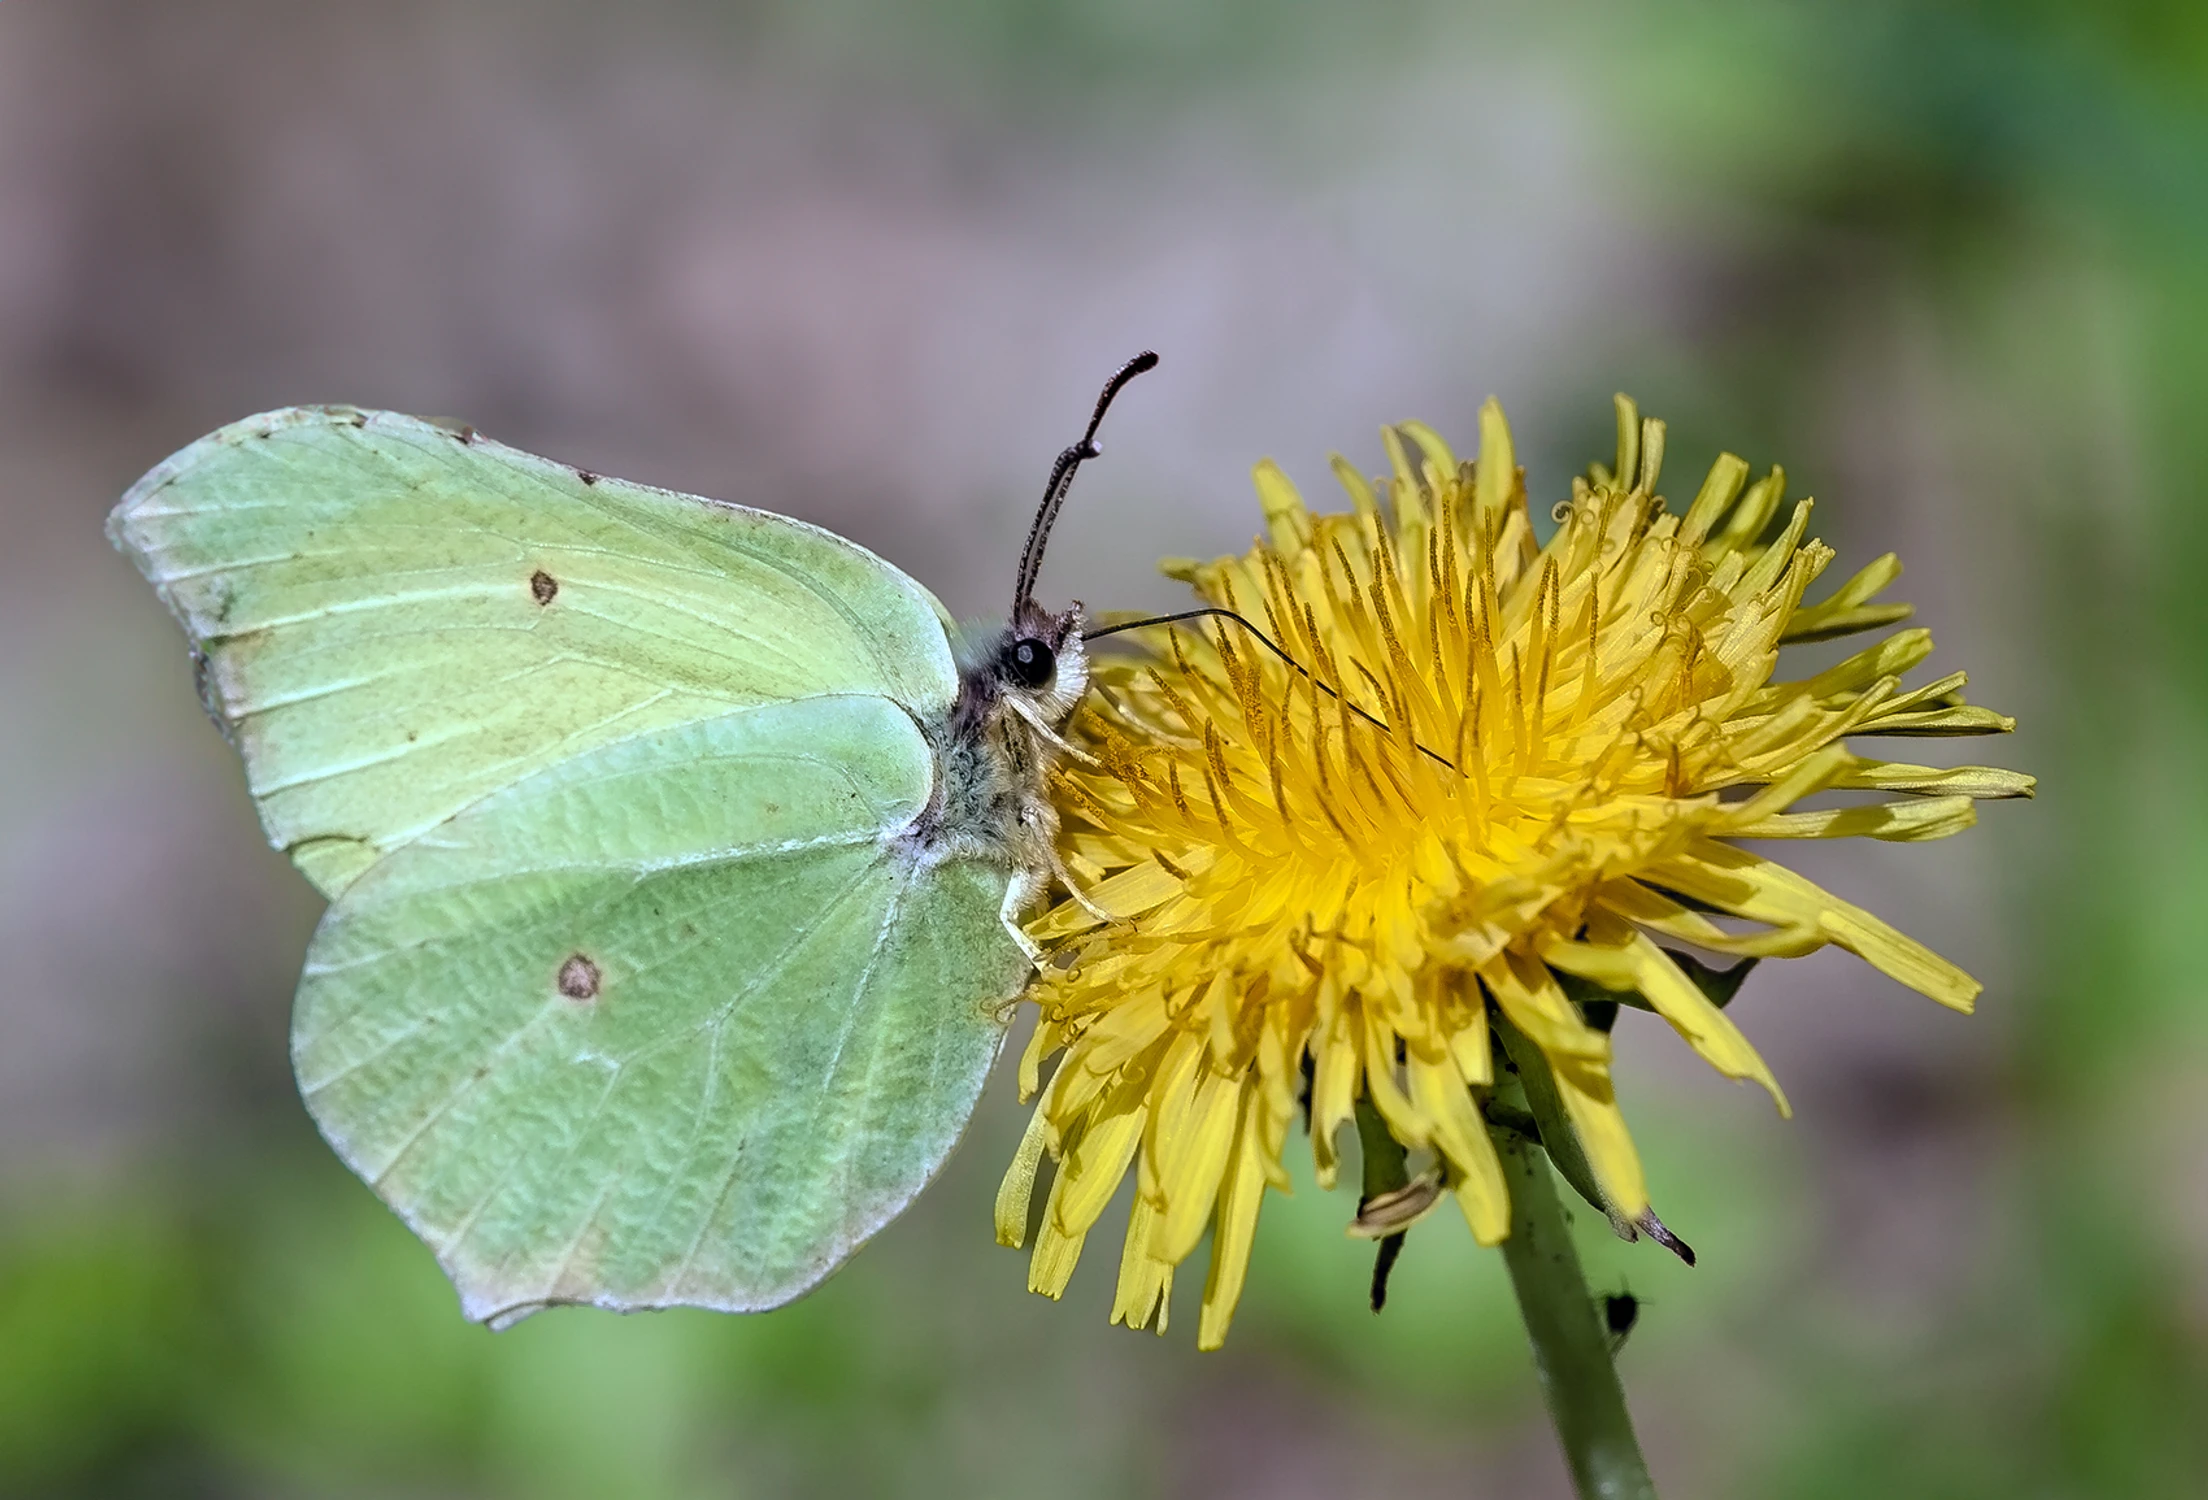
[586,476]
[579,978]
[544,586]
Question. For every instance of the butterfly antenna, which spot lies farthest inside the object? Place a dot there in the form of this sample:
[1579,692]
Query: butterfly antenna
[1269,644]
[1061,479]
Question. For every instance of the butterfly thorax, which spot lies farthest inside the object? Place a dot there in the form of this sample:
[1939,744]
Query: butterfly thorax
[1018,685]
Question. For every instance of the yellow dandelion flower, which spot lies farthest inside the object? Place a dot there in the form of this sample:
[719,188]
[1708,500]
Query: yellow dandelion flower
[1492,762]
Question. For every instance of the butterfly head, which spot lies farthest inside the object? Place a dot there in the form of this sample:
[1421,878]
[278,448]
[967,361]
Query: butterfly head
[1041,661]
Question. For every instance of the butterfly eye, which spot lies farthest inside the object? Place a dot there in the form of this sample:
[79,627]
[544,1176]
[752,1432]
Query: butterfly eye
[1032,663]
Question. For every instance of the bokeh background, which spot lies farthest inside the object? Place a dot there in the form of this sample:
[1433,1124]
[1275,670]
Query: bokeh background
[866,264]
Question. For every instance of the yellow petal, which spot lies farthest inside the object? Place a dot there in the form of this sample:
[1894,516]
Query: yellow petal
[1757,888]
[1145,1282]
[1716,497]
[1618,953]
[1895,822]
[1532,1000]
[1092,1170]
[1592,1104]
[1056,1252]
[1018,1188]
[1198,1161]
[1286,521]
[1496,470]
[1982,782]
[1239,1199]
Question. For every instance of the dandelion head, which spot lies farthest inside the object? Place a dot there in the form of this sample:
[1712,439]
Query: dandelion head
[1433,772]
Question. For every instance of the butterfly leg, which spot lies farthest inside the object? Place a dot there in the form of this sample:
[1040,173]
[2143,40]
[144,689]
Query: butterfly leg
[1017,894]
[1081,897]
[1051,736]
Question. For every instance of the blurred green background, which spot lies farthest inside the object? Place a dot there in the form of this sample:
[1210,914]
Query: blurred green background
[865,264]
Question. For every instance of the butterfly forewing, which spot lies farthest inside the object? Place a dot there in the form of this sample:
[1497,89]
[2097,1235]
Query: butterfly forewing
[399,618]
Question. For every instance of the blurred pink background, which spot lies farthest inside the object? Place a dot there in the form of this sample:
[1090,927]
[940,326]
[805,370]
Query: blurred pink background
[866,266]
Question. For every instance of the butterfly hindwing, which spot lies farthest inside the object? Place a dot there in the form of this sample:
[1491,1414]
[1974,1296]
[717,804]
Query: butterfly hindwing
[398,617]
[677,1021]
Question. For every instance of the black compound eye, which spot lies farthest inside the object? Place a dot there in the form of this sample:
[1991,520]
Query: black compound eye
[1031,663]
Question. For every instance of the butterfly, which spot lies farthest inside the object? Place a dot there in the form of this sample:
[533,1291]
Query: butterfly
[675,850]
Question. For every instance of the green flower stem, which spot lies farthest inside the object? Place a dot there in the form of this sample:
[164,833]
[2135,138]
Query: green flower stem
[1570,1346]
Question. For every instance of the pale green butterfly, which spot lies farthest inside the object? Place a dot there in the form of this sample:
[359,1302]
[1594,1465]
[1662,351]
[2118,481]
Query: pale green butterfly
[675,849]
